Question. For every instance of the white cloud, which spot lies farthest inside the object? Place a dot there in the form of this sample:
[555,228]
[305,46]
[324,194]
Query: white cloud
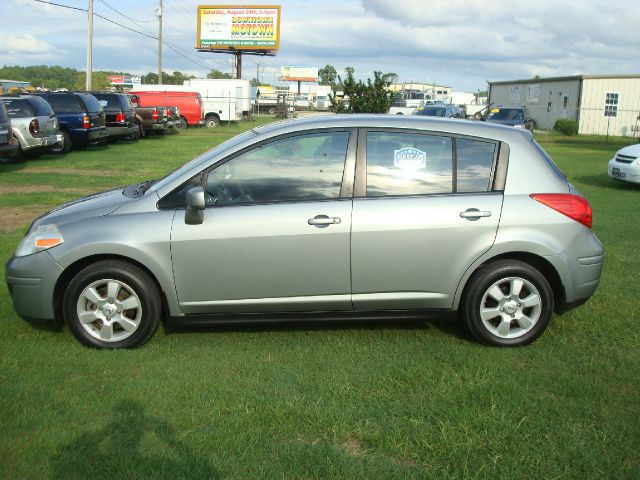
[27,44]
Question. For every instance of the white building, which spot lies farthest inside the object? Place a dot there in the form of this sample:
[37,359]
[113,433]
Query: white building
[601,104]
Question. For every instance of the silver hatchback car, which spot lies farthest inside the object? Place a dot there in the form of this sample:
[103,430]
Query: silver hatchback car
[336,216]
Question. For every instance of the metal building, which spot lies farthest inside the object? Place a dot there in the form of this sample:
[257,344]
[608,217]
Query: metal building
[601,104]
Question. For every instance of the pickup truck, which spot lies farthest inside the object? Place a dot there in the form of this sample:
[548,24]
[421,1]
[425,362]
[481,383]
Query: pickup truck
[151,119]
[81,119]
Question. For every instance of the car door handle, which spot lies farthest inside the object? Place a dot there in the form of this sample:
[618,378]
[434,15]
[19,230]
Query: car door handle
[322,221]
[473,214]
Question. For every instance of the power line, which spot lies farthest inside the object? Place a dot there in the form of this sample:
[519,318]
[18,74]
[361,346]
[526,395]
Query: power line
[171,47]
[123,15]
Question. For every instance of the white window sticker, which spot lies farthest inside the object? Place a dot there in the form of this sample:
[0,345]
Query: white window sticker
[410,159]
[103,103]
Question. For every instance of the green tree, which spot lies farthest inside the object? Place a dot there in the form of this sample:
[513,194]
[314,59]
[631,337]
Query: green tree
[327,76]
[99,81]
[390,77]
[218,74]
[363,97]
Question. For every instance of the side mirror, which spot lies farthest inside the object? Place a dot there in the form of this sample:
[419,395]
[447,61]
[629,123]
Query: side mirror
[194,215]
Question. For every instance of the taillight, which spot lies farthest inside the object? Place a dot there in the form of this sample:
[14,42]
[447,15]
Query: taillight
[119,117]
[168,112]
[573,206]
[34,126]
[154,114]
[86,122]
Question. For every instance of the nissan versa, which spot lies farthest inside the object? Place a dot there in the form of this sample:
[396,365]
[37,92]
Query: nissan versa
[337,216]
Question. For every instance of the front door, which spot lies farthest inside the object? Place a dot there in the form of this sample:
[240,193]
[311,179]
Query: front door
[276,232]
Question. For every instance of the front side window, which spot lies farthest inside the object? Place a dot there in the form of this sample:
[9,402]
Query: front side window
[298,168]
[408,164]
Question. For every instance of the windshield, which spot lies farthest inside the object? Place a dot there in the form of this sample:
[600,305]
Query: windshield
[433,111]
[506,114]
[170,177]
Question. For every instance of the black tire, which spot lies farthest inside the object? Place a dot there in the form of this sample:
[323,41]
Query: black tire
[143,319]
[182,123]
[520,317]
[63,147]
[212,121]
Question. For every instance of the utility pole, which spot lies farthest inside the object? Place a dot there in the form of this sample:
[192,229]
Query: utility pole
[160,44]
[87,85]
[258,63]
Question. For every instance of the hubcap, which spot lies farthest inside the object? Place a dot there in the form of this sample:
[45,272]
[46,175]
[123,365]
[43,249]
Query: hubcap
[510,307]
[109,310]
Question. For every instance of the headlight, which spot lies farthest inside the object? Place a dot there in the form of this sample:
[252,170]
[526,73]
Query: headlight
[43,237]
[520,126]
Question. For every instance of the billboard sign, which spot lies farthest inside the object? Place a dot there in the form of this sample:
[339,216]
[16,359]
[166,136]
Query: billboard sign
[514,93]
[123,80]
[244,27]
[533,93]
[301,74]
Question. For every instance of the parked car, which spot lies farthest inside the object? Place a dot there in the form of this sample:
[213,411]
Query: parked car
[512,116]
[8,143]
[189,103]
[81,119]
[625,165]
[120,117]
[151,119]
[287,219]
[445,111]
[34,124]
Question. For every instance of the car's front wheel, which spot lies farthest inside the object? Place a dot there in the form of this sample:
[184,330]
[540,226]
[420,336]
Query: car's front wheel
[112,304]
[507,303]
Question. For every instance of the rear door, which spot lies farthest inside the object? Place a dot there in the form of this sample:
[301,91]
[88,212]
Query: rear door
[424,211]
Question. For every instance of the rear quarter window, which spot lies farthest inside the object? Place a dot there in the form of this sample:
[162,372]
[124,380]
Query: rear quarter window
[18,107]
[41,106]
[92,103]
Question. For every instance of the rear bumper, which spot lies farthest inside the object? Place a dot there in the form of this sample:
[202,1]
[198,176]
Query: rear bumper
[123,131]
[31,281]
[580,268]
[43,142]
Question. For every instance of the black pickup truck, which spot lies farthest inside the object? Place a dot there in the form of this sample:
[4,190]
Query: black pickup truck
[151,119]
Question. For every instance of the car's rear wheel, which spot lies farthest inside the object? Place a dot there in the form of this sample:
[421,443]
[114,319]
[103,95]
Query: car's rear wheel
[507,303]
[64,146]
[112,304]
[182,123]
[212,121]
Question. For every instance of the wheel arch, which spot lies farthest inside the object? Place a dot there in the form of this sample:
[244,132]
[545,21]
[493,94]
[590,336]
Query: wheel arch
[536,261]
[73,269]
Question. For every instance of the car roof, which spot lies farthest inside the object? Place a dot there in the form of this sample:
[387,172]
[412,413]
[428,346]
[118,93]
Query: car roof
[444,125]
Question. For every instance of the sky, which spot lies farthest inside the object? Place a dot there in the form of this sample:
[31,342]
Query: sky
[457,43]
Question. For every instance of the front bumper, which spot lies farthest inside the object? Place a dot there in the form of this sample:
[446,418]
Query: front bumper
[31,282]
[202,122]
[627,172]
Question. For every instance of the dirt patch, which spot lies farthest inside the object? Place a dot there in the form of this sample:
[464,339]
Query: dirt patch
[77,171]
[8,189]
[352,447]
[14,217]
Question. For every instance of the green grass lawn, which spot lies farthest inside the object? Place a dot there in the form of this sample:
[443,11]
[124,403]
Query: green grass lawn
[375,400]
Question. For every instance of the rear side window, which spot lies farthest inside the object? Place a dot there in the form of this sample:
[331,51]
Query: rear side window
[41,106]
[3,113]
[18,107]
[475,162]
[91,102]
[408,164]
[65,103]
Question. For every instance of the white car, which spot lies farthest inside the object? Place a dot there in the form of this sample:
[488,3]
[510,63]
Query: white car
[626,164]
